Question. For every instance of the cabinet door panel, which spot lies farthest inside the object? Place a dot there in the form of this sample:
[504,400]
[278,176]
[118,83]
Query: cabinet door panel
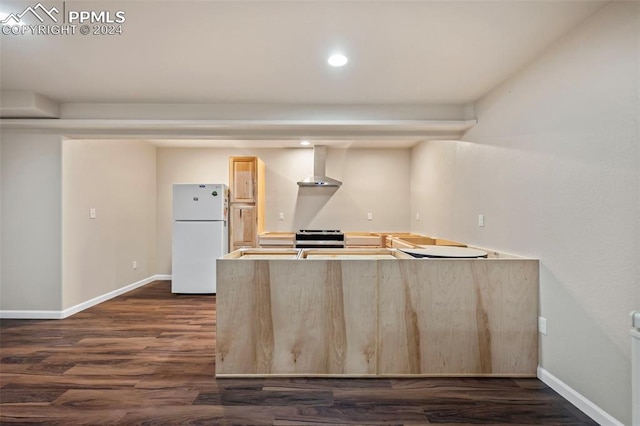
[243,180]
[243,226]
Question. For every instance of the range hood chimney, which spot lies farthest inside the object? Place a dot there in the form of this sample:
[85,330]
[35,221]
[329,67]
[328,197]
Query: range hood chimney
[319,178]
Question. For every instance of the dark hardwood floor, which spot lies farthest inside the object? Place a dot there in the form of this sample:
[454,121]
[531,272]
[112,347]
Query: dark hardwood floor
[147,357]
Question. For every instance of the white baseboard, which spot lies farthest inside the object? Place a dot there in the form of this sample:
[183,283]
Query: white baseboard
[583,404]
[81,306]
[30,314]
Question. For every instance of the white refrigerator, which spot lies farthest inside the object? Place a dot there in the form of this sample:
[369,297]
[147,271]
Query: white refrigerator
[200,236]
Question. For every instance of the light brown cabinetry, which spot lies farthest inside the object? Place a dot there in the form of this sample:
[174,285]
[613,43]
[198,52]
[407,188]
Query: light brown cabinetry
[416,241]
[246,198]
[375,312]
[400,244]
[410,242]
[362,239]
[243,172]
[387,237]
[277,239]
[243,225]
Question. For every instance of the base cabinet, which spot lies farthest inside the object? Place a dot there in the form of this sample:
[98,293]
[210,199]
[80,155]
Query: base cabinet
[397,318]
[276,239]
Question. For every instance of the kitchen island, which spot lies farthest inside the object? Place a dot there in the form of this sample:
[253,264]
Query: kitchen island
[375,312]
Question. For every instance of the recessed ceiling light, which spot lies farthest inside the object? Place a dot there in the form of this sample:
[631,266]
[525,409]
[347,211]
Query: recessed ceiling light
[337,60]
[305,143]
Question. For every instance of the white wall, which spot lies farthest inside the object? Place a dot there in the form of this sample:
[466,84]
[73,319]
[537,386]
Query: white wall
[53,261]
[554,165]
[30,237]
[374,180]
[1,226]
[118,179]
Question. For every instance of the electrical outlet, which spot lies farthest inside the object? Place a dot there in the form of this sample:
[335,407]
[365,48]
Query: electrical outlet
[92,213]
[369,216]
[542,325]
[135,264]
[281,216]
[481,220]
[417,216]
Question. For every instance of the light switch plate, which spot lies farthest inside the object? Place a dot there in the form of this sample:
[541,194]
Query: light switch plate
[542,325]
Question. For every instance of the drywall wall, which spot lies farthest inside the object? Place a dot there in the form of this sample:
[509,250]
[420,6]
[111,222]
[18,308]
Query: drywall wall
[118,179]
[374,180]
[30,221]
[553,164]
[1,217]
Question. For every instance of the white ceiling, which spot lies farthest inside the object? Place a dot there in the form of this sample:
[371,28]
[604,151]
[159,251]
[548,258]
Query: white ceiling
[271,55]
[252,52]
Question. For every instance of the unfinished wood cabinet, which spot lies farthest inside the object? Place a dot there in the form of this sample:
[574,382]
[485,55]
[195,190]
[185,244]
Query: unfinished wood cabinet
[387,237]
[362,239]
[400,244]
[243,226]
[246,201]
[458,317]
[374,312]
[242,179]
[276,239]
[296,317]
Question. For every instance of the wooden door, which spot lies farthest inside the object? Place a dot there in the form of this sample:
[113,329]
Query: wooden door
[243,226]
[243,179]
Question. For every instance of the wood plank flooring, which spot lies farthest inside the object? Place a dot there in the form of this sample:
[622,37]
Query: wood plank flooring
[147,357]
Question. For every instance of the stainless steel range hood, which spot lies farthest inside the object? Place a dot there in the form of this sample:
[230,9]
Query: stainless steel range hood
[319,178]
